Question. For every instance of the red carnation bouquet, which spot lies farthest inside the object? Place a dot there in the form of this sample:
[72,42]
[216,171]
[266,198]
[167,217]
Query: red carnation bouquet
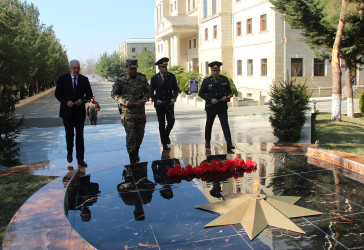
[213,171]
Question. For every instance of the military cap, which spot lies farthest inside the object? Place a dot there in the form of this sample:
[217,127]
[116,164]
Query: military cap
[215,65]
[163,61]
[132,63]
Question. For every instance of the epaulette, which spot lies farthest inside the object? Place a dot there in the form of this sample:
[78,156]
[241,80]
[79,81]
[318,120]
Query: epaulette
[140,73]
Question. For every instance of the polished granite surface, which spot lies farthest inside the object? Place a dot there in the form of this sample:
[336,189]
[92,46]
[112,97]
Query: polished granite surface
[109,210]
[138,206]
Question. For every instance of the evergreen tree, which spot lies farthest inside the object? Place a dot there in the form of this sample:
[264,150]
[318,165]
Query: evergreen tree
[146,62]
[31,59]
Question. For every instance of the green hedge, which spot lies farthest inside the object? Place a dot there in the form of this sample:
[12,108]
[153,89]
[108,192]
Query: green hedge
[361,103]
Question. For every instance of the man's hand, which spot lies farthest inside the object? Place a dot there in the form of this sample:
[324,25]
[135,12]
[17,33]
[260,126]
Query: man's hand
[214,101]
[224,99]
[70,104]
[172,101]
[128,104]
[159,102]
[78,102]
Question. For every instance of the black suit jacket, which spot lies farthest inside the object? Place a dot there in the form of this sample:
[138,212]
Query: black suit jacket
[64,93]
[211,89]
[161,91]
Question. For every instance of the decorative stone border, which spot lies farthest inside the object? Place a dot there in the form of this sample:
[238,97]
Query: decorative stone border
[349,161]
[40,223]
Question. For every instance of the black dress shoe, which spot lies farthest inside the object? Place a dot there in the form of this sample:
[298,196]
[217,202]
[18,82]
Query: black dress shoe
[230,147]
[168,141]
[165,147]
[69,158]
[82,163]
[207,145]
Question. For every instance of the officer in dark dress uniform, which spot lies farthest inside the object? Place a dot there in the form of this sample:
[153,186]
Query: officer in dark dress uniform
[164,93]
[215,90]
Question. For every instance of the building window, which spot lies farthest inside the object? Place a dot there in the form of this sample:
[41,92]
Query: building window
[188,5]
[249,26]
[190,44]
[318,67]
[250,67]
[296,66]
[194,43]
[204,8]
[171,8]
[239,69]
[206,34]
[206,68]
[263,22]
[161,48]
[175,5]
[263,67]
[238,29]
[213,11]
[193,4]
[133,50]
[215,31]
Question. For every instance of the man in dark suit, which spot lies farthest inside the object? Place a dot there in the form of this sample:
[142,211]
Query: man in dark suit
[73,91]
[164,93]
[216,91]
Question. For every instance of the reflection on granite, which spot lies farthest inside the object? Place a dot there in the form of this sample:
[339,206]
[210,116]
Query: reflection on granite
[113,205]
[139,206]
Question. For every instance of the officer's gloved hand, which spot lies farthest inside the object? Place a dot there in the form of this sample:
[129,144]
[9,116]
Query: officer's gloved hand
[224,99]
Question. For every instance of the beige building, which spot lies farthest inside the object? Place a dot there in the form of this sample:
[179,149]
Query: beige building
[134,46]
[255,45]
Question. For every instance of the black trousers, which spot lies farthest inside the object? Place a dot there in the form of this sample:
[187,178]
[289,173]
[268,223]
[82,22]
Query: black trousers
[223,117]
[165,112]
[72,125]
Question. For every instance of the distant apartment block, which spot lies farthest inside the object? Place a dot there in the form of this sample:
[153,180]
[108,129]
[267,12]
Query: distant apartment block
[134,46]
[255,45]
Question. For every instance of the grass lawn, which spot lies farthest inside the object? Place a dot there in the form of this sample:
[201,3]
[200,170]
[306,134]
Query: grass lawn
[14,191]
[344,136]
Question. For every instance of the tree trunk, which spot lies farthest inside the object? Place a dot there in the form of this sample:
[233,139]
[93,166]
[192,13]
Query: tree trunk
[349,89]
[336,71]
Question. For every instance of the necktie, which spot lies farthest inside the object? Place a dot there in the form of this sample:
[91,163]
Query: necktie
[74,84]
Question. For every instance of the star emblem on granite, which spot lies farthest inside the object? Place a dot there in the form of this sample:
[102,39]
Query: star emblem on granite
[256,211]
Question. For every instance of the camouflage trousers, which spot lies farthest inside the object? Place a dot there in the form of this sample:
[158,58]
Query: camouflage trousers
[92,119]
[134,129]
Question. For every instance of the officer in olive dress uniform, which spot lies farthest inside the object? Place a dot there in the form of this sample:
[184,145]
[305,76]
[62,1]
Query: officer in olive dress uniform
[164,93]
[131,91]
[215,90]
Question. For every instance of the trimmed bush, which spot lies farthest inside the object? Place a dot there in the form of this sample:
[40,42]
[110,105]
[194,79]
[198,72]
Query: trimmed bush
[289,101]
[361,103]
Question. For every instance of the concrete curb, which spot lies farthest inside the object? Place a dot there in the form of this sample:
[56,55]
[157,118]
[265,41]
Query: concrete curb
[34,97]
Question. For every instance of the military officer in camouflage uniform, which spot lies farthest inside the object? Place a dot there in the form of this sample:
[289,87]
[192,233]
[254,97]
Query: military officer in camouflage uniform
[131,91]
[164,93]
[215,90]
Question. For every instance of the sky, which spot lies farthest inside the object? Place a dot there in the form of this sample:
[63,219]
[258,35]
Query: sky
[88,28]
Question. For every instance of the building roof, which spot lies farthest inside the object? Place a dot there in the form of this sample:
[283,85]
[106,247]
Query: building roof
[140,40]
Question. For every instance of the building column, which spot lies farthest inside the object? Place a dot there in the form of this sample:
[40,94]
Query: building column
[176,48]
[167,51]
[171,50]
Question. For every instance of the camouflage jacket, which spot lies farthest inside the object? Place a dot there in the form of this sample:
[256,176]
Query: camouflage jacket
[133,90]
